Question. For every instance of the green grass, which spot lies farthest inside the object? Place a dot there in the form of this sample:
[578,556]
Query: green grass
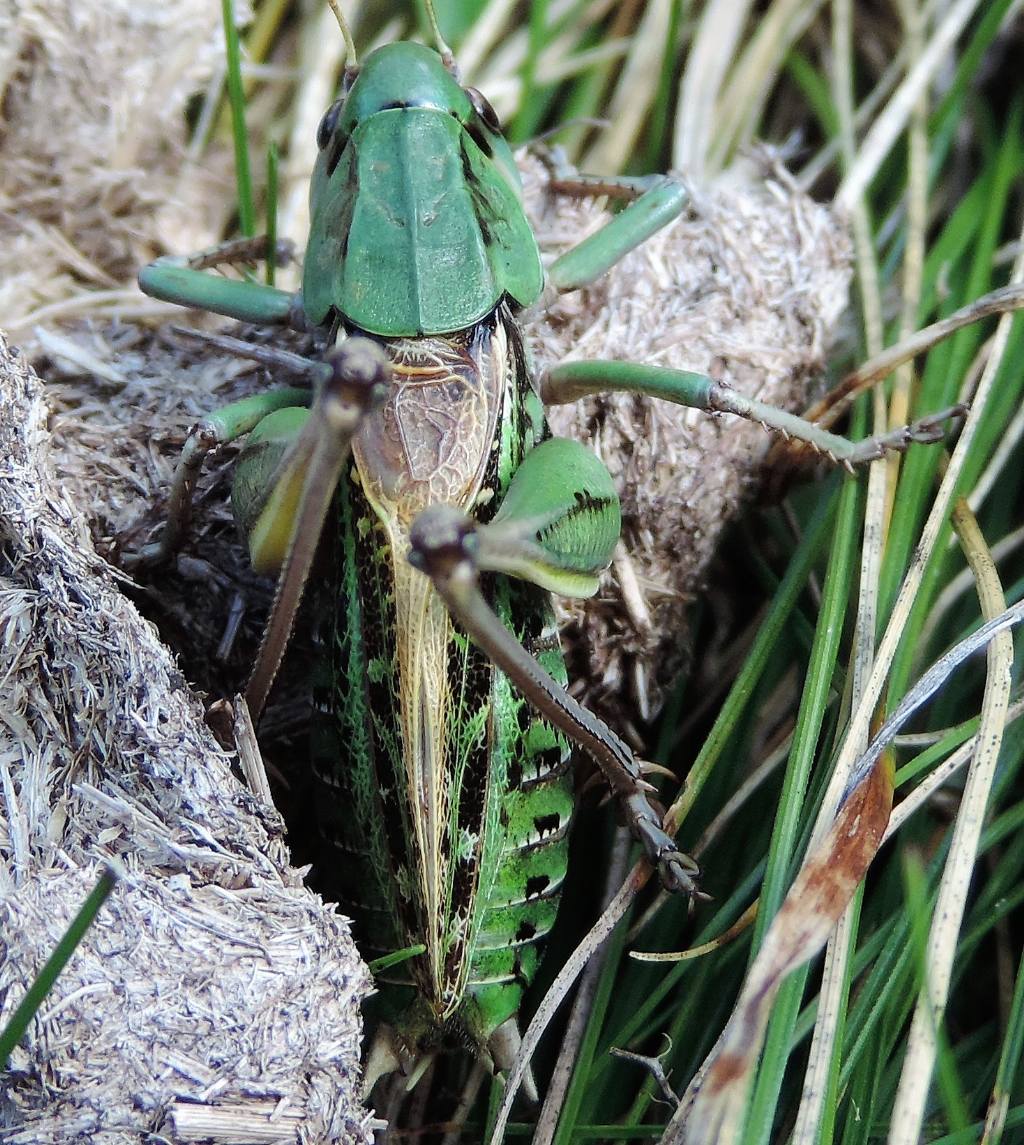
[17,1025]
[934,228]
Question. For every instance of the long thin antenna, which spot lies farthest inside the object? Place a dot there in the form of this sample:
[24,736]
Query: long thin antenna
[446,54]
[351,63]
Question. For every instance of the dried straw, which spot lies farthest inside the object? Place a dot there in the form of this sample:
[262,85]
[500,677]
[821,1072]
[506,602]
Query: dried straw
[216,998]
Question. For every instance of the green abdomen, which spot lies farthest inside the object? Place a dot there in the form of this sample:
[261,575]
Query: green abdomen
[444,800]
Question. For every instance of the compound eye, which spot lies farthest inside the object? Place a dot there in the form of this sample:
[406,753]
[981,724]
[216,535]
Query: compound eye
[482,107]
[328,123]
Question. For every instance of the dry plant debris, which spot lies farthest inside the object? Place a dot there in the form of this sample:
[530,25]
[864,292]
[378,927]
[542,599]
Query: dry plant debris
[93,170]
[216,998]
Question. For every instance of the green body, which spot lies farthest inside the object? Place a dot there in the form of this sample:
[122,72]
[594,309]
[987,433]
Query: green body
[449,798]
[445,797]
[445,794]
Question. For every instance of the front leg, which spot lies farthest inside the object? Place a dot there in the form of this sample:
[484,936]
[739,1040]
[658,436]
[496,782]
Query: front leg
[654,201]
[557,527]
[653,210]
[187,281]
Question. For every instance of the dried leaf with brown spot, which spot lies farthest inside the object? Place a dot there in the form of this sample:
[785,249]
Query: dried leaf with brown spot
[713,1104]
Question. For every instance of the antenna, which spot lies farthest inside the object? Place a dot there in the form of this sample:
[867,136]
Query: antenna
[446,54]
[351,63]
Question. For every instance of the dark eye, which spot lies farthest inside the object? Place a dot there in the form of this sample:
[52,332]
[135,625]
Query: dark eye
[483,108]
[328,123]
